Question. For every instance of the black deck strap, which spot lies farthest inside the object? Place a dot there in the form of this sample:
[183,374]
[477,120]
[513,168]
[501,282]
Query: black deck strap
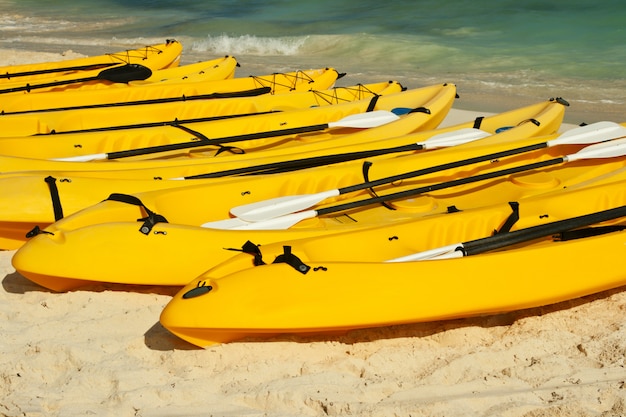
[511,220]
[37,231]
[251,249]
[193,132]
[420,110]
[149,221]
[533,121]
[478,121]
[232,149]
[292,260]
[56,200]
[366,168]
[372,104]
[587,232]
[202,137]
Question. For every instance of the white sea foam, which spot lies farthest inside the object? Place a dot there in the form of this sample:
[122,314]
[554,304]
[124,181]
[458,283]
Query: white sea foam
[251,45]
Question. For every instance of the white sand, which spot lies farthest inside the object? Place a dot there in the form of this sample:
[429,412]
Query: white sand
[103,352]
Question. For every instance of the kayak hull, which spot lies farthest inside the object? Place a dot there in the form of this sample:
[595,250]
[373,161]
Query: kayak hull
[342,296]
[104,243]
[319,78]
[224,131]
[27,199]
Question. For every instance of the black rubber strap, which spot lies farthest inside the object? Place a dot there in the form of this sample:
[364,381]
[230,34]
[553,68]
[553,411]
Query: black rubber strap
[232,149]
[220,148]
[511,220]
[149,221]
[56,200]
[420,110]
[531,120]
[292,260]
[37,231]
[251,249]
[197,134]
[366,168]
[372,104]
[478,121]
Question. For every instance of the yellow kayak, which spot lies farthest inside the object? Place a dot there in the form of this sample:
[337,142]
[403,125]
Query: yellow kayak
[393,137]
[27,199]
[37,71]
[117,117]
[345,282]
[131,232]
[320,79]
[154,58]
[111,246]
[248,133]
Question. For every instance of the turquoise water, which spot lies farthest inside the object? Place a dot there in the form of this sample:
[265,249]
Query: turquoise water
[500,54]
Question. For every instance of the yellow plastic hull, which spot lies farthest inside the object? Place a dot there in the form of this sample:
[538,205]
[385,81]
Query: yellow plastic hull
[319,79]
[112,249]
[168,254]
[412,128]
[130,56]
[154,57]
[26,201]
[79,144]
[341,296]
[72,120]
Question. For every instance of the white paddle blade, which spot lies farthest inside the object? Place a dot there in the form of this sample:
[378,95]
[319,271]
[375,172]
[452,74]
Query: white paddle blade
[226,224]
[454,138]
[278,223]
[280,206]
[592,133]
[608,149]
[366,120]
[82,158]
[449,251]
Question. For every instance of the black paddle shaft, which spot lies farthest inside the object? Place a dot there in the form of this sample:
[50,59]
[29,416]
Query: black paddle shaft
[440,186]
[216,141]
[244,93]
[502,240]
[303,163]
[292,165]
[9,75]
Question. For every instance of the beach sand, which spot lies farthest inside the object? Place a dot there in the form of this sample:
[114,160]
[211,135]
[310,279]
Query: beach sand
[103,352]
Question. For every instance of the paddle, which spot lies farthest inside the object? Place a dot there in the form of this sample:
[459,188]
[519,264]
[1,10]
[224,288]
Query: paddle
[501,240]
[9,75]
[359,121]
[446,139]
[175,122]
[280,206]
[397,111]
[119,74]
[609,149]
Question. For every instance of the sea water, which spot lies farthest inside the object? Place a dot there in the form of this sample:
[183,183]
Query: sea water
[500,54]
